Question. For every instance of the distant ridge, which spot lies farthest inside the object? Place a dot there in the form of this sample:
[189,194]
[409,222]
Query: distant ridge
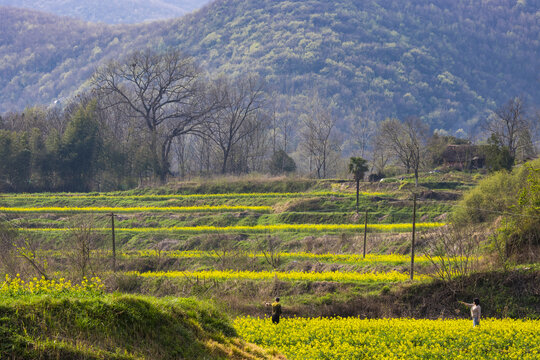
[112,12]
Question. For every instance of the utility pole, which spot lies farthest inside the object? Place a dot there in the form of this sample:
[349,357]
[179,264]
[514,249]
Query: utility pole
[365,234]
[113,243]
[413,234]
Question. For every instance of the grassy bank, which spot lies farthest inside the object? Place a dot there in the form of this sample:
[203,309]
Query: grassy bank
[67,327]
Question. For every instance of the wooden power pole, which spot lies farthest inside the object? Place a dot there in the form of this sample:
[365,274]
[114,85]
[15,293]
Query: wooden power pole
[365,234]
[113,243]
[413,235]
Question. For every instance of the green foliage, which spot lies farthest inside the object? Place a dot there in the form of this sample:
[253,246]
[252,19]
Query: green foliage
[524,230]
[497,155]
[515,197]
[358,167]
[412,58]
[15,161]
[281,163]
[110,327]
[78,150]
[494,196]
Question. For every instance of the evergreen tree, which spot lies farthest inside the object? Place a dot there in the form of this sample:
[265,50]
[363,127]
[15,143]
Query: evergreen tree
[79,150]
[358,167]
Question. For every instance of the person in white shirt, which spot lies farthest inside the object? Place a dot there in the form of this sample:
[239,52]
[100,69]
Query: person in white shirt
[476,311]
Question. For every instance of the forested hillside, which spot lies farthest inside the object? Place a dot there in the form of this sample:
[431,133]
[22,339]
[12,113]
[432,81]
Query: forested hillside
[112,12]
[449,62]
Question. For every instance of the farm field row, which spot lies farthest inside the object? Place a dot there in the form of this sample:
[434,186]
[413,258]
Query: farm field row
[185,196]
[333,276]
[148,209]
[330,228]
[233,209]
[279,257]
[353,338]
[328,257]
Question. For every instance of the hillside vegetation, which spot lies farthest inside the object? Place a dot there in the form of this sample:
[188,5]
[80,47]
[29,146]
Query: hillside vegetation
[446,61]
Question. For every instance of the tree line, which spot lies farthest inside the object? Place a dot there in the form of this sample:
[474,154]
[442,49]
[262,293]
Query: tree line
[153,115]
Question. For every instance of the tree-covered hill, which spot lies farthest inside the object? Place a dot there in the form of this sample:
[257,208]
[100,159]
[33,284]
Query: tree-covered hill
[112,12]
[449,62]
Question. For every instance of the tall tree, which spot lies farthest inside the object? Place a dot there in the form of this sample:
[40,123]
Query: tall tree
[511,128]
[357,167]
[317,137]
[238,115]
[15,161]
[163,90]
[79,150]
[406,140]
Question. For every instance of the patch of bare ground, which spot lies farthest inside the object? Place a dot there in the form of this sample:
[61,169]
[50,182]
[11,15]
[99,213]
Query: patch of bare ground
[301,204]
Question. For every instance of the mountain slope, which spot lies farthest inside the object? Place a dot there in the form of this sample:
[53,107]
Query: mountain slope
[43,57]
[111,12]
[447,61]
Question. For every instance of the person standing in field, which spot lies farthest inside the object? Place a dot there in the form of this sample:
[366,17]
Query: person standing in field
[476,311]
[276,310]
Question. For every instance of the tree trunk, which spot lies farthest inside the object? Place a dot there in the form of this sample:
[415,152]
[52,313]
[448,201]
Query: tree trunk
[225,160]
[357,194]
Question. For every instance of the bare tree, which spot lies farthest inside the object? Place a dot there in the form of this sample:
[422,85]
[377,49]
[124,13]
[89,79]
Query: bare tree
[511,127]
[270,247]
[406,141]
[380,155]
[17,250]
[83,241]
[285,123]
[317,137]
[255,147]
[238,116]
[362,129]
[163,90]
[453,253]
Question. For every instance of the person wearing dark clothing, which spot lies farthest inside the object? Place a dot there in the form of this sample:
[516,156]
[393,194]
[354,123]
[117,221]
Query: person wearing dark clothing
[276,311]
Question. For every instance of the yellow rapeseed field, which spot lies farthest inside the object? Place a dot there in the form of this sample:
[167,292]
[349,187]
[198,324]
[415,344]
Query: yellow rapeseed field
[389,339]
[337,276]
[101,209]
[264,228]
[15,286]
[328,257]
[187,196]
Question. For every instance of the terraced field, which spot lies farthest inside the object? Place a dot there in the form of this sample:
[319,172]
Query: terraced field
[241,249]
[312,236]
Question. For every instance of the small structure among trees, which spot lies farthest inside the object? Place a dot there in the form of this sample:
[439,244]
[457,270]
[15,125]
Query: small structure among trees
[463,157]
